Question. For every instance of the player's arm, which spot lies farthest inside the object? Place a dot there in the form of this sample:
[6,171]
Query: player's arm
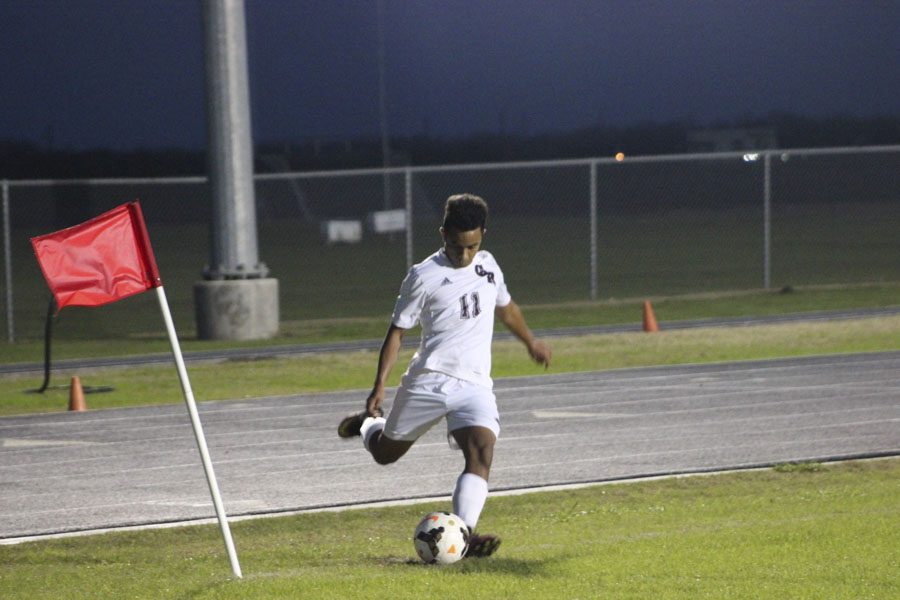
[511,316]
[390,350]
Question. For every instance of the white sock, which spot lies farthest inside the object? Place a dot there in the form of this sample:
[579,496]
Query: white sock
[370,427]
[469,497]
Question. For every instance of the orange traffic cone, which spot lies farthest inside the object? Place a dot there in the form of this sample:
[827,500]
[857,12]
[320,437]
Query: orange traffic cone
[649,318]
[76,395]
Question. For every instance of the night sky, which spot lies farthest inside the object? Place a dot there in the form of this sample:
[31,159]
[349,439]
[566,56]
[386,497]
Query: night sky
[127,74]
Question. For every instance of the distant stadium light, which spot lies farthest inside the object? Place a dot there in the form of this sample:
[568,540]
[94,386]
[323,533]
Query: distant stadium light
[751,157]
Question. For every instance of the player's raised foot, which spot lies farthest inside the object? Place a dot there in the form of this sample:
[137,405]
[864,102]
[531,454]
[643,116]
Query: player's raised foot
[481,546]
[351,424]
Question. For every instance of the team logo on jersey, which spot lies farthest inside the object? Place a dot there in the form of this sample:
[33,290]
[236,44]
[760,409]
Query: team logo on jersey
[479,270]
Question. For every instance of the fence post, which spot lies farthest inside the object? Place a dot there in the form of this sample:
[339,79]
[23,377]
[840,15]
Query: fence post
[767,220]
[593,210]
[7,262]
[409,218]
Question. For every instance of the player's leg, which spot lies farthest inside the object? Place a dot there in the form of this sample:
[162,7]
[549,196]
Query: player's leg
[477,445]
[383,449]
[474,424]
[416,408]
[470,494]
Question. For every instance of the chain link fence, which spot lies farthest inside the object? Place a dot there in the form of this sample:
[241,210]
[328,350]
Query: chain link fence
[571,230]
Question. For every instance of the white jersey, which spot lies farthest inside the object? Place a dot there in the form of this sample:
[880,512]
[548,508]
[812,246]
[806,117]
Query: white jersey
[456,310]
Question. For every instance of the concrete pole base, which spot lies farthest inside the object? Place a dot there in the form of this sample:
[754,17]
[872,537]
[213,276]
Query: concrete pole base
[236,309]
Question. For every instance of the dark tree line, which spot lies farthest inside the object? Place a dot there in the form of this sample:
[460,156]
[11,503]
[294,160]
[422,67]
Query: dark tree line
[21,160]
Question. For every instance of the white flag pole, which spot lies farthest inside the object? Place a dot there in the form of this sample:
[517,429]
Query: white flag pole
[198,432]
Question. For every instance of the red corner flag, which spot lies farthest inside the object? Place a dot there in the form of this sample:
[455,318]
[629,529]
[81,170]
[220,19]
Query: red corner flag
[109,258]
[99,261]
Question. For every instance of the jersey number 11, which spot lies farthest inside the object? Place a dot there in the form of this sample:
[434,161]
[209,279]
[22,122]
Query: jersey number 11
[464,310]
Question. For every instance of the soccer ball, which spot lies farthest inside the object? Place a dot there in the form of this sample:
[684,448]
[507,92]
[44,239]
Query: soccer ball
[441,537]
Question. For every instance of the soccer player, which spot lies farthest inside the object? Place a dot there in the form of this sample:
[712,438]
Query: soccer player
[454,294]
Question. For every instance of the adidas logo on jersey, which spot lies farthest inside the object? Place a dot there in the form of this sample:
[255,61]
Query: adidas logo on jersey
[446,281]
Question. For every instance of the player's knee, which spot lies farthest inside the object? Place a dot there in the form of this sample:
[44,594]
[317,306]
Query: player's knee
[483,459]
[483,454]
[479,452]
[382,455]
[384,459]
[386,451]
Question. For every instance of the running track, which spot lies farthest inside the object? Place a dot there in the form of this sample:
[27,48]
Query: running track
[70,472]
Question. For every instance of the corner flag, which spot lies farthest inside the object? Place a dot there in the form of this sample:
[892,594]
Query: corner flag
[109,258]
[99,261]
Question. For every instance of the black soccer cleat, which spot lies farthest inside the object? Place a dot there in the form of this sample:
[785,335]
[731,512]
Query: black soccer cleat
[351,424]
[481,546]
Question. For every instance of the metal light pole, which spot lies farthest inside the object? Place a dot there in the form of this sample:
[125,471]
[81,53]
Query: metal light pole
[236,300]
[382,108]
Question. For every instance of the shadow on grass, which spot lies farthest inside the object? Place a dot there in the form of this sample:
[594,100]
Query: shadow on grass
[509,566]
[203,590]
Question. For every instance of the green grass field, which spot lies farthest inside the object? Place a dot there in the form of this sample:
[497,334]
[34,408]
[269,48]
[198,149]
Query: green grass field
[800,531]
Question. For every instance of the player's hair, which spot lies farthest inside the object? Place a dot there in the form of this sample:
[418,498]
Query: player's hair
[465,212]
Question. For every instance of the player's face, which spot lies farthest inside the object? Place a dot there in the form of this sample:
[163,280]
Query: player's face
[461,246]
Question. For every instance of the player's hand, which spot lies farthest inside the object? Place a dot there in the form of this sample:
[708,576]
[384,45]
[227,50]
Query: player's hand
[540,353]
[373,403]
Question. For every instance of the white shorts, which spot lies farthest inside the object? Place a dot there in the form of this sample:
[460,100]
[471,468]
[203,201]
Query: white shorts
[424,399]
